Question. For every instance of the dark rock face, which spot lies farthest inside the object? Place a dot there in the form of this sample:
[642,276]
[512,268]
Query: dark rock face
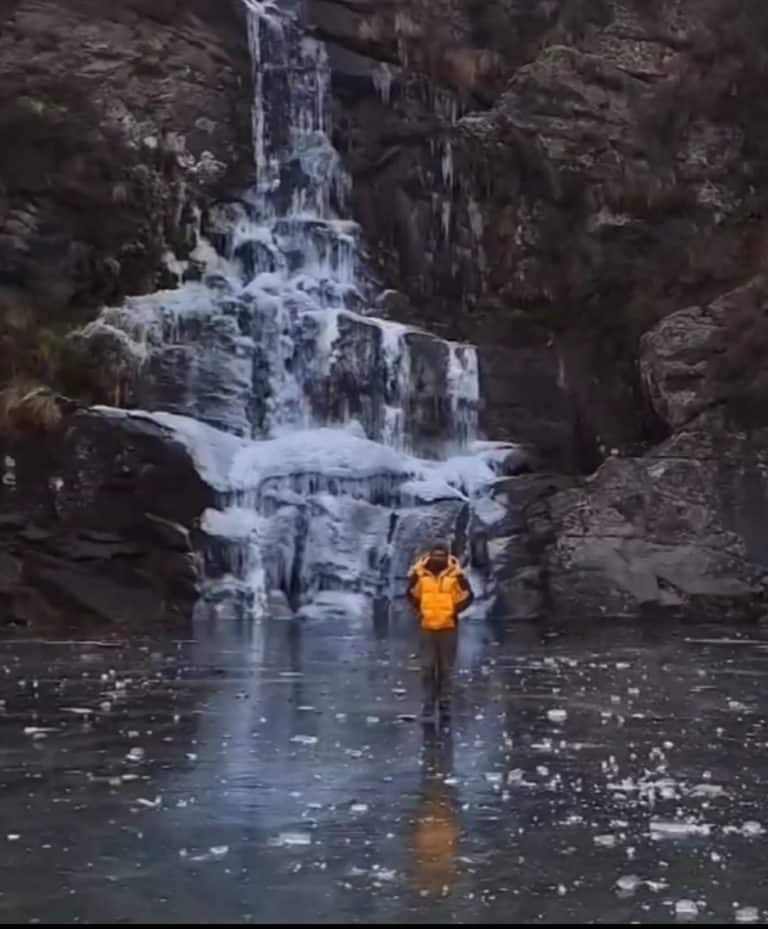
[99,522]
[680,531]
[551,179]
[120,121]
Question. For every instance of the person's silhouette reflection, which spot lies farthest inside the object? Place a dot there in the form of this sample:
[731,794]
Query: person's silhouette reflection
[435,844]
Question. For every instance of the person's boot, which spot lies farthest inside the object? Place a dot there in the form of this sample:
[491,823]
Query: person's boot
[428,712]
[445,715]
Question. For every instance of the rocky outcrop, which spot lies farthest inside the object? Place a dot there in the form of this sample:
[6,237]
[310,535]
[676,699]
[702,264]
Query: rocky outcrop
[679,532]
[703,357]
[551,179]
[121,122]
[682,529]
[99,522]
[507,547]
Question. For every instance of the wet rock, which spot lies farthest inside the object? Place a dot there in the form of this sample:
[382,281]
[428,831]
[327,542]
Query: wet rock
[678,531]
[78,591]
[13,521]
[92,549]
[170,534]
[10,571]
[82,549]
[521,596]
[699,357]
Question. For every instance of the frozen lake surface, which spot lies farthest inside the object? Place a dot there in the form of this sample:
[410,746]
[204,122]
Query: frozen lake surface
[265,773]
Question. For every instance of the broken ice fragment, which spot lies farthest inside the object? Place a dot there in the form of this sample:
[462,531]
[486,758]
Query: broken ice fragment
[136,754]
[707,790]
[305,739]
[747,914]
[288,839]
[686,908]
[219,851]
[656,886]
[677,830]
[557,716]
[628,883]
[605,841]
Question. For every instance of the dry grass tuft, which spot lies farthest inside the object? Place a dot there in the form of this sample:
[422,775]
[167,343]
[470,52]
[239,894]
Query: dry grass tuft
[27,407]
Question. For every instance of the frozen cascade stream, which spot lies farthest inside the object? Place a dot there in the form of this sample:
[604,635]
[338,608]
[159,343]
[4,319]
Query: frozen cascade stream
[338,443]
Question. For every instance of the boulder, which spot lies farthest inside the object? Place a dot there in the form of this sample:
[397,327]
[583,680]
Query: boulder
[77,541]
[702,356]
[680,531]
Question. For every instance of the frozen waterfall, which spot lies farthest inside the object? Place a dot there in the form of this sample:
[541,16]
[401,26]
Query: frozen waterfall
[338,444]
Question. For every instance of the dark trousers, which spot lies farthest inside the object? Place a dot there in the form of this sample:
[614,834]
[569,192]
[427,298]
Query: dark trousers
[438,656]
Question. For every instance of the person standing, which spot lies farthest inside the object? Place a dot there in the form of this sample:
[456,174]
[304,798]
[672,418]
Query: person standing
[439,591]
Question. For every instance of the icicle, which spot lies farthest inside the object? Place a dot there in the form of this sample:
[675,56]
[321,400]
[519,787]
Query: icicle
[382,82]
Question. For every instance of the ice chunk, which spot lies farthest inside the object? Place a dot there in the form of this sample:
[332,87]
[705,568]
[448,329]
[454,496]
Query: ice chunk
[656,886]
[557,716]
[708,791]
[290,839]
[604,841]
[747,914]
[135,755]
[628,883]
[305,739]
[751,829]
[686,908]
[678,829]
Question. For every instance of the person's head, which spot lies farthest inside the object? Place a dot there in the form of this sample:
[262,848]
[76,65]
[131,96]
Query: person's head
[437,560]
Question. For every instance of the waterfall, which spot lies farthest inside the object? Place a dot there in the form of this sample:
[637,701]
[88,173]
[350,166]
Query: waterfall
[338,443]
